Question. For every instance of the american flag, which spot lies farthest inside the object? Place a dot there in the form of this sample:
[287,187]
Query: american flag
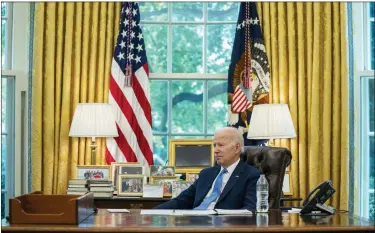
[131,104]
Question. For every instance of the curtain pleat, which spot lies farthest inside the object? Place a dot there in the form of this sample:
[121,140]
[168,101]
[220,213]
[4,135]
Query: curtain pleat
[306,46]
[74,43]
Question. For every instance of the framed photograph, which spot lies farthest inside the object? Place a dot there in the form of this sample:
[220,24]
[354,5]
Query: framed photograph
[191,154]
[131,169]
[192,176]
[167,182]
[131,185]
[287,184]
[114,172]
[90,172]
[179,186]
[161,170]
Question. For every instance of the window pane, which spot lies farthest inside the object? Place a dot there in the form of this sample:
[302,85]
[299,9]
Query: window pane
[160,150]
[371,162]
[3,9]
[222,11]
[372,45]
[159,105]
[372,206]
[372,9]
[3,42]
[187,48]
[371,103]
[187,106]
[187,11]
[156,40]
[220,42]
[3,104]
[217,105]
[154,11]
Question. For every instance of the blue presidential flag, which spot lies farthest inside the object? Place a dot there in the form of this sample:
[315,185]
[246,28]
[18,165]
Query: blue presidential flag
[248,75]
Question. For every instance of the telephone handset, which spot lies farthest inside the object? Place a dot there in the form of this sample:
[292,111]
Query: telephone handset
[314,202]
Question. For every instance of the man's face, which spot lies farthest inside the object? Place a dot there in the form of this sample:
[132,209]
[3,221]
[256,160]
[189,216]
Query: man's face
[226,151]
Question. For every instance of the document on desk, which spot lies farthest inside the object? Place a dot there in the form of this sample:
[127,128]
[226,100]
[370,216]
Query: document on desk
[233,212]
[157,212]
[118,210]
[196,212]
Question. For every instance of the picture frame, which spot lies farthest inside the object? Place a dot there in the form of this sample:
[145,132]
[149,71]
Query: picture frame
[131,185]
[287,184]
[191,155]
[131,169]
[167,183]
[114,172]
[156,170]
[191,176]
[179,186]
[90,172]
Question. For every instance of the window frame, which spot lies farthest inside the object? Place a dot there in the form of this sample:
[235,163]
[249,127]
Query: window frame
[361,70]
[170,77]
[9,36]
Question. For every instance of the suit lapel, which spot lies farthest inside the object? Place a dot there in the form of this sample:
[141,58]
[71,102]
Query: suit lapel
[232,180]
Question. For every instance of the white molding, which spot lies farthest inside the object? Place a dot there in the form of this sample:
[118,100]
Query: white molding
[20,70]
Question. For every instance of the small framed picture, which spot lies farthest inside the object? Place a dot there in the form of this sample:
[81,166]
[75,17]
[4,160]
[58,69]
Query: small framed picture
[192,176]
[90,172]
[114,172]
[179,186]
[131,185]
[167,182]
[131,169]
[162,170]
[287,184]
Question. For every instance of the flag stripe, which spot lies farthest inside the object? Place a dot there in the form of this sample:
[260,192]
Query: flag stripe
[130,96]
[126,130]
[131,117]
[142,99]
[125,147]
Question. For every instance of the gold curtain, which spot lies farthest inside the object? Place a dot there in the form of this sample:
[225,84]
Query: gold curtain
[306,46]
[72,60]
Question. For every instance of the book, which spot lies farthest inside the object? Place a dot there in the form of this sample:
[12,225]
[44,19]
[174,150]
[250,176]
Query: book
[101,189]
[103,194]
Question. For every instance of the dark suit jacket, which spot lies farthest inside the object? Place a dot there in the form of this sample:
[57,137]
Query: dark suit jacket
[239,192]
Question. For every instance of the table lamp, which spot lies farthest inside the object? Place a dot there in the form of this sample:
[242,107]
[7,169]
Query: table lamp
[93,120]
[271,121]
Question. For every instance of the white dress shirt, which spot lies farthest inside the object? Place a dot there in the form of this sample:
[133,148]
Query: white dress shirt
[226,177]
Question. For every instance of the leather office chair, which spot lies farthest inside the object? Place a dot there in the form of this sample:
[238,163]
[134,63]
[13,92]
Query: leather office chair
[271,161]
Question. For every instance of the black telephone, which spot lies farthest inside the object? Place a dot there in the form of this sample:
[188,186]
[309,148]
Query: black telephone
[315,205]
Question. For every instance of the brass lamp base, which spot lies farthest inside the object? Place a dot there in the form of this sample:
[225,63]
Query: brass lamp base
[93,151]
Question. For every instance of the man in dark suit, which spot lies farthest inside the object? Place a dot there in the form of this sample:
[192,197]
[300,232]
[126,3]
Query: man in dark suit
[231,184]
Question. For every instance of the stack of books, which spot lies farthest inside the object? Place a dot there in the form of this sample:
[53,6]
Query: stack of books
[101,187]
[77,187]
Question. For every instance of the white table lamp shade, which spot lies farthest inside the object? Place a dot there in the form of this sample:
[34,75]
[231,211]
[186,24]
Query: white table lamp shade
[271,121]
[93,120]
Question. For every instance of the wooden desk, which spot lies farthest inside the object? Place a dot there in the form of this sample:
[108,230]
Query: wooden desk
[145,203]
[278,221]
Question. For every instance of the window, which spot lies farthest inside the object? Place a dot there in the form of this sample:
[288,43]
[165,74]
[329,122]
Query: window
[188,48]
[6,35]
[364,59]
[7,141]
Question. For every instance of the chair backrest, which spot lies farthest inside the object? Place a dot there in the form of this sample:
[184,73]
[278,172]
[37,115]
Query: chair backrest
[271,161]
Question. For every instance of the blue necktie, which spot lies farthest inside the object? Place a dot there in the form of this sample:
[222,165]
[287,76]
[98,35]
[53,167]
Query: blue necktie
[215,192]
